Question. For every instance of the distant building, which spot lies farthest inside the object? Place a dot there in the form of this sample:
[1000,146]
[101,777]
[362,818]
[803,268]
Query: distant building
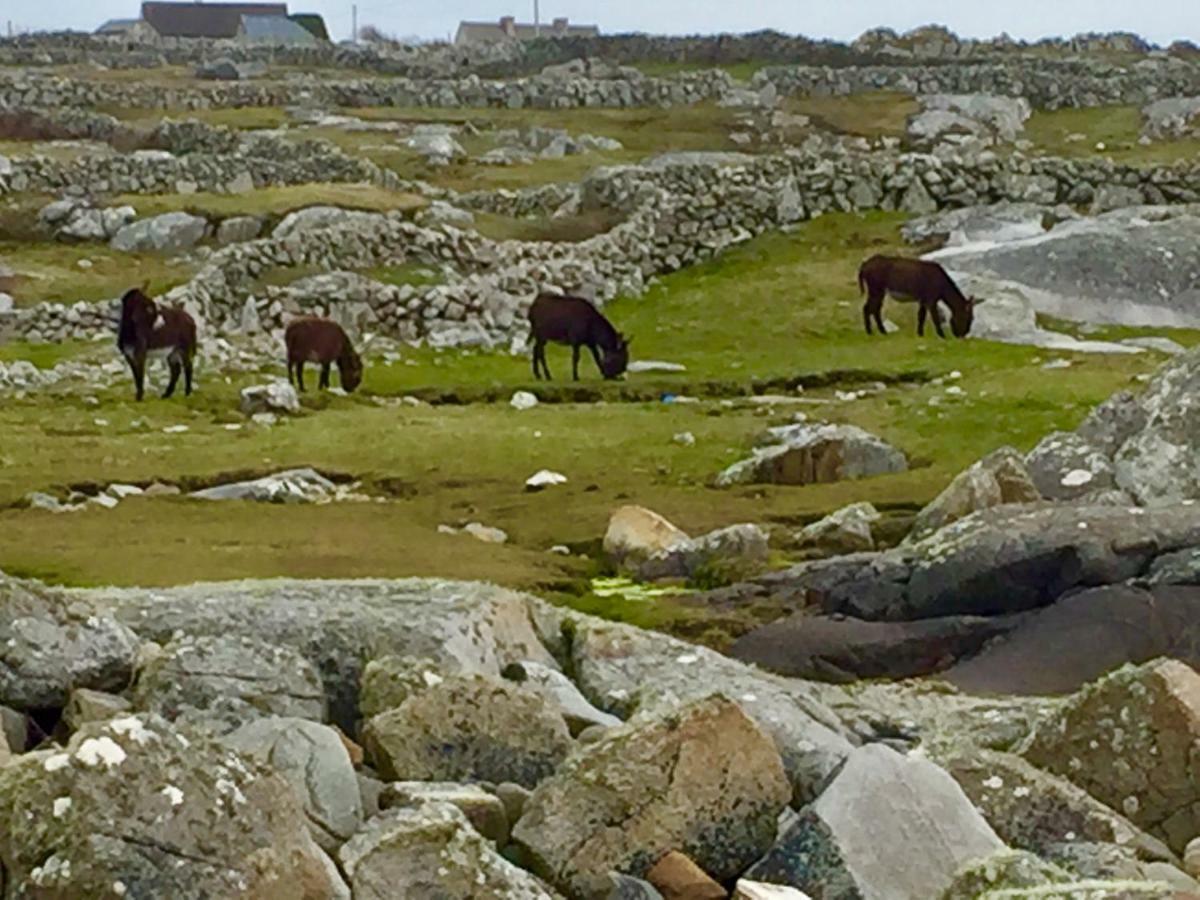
[129,28]
[509,29]
[273,30]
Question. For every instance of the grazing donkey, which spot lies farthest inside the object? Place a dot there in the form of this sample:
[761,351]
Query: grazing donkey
[147,330]
[575,321]
[910,280]
[311,339]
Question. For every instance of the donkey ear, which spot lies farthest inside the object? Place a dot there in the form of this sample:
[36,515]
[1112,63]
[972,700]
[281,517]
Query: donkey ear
[627,340]
[975,301]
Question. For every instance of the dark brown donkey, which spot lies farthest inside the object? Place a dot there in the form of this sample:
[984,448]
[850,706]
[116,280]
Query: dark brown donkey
[147,330]
[910,280]
[575,321]
[321,341]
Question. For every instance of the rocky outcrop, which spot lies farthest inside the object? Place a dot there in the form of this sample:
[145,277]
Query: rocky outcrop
[167,233]
[1000,478]
[846,531]
[645,543]
[987,118]
[707,781]
[1171,118]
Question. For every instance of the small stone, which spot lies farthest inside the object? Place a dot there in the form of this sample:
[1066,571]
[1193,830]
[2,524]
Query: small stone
[678,878]
[523,400]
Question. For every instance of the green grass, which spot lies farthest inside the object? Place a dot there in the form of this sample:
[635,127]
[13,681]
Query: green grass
[568,229]
[1117,128]
[874,114]
[45,356]
[276,201]
[784,306]
[50,272]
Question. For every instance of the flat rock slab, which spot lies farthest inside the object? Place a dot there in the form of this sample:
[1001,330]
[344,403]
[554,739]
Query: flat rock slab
[1081,637]
[840,648]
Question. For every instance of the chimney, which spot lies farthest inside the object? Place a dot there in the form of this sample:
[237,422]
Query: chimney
[508,25]
[560,26]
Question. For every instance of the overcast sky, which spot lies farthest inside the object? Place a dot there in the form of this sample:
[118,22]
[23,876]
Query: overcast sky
[1161,21]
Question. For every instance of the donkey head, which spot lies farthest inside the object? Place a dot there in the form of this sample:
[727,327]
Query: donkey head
[138,311]
[962,318]
[616,360]
[350,368]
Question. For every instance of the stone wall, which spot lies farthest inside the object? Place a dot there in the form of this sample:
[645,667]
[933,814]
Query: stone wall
[675,215]
[1049,84]
[1046,85]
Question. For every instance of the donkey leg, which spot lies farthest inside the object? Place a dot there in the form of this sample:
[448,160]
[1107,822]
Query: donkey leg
[187,374]
[937,320]
[879,319]
[300,374]
[291,372]
[324,383]
[575,361]
[176,370]
[137,364]
[921,314]
[867,316]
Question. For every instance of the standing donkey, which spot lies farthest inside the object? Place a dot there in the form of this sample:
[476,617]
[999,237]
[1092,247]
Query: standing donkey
[323,341]
[914,280]
[146,330]
[575,321]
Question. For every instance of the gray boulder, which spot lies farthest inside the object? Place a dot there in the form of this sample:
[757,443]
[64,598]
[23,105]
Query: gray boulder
[1065,466]
[238,230]
[625,671]
[816,454]
[846,531]
[85,706]
[314,218]
[468,727]
[50,645]
[561,694]
[737,546]
[134,808]
[276,397]
[432,851]
[223,681]
[1131,740]
[846,844]
[1001,118]
[1000,478]
[166,233]
[390,680]
[313,760]
[338,625]
[1128,267]
[1082,636]
[703,779]
[1171,118]
[292,486]
[998,223]
[484,811]
[438,147]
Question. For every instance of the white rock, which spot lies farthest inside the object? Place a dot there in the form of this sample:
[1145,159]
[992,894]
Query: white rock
[523,400]
[544,479]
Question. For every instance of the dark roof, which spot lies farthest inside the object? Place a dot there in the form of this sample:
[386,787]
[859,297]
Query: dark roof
[312,23]
[204,20]
[275,30]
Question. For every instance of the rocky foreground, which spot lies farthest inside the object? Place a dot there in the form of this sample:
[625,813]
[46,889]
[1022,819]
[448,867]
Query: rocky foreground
[433,739]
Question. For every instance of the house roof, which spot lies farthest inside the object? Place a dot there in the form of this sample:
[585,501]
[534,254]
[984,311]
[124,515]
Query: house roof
[492,32]
[204,20]
[276,30]
[313,23]
[118,25]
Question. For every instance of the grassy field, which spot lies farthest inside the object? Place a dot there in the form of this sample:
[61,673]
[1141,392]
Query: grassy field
[275,201]
[1111,131]
[781,309]
[52,272]
[875,114]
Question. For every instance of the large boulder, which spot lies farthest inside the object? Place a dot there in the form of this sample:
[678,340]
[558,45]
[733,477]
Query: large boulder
[339,625]
[1066,466]
[1000,477]
[313,218]
[169,232]
[816,454]
[276,397]
[625,671]
[737,547]
[703,779]
[1131,740]
[1083,636]
[469,727]
[50,645]
[431,851]
[887,826]
[1127,267]
[439,148]
[1171,118]
[999,118]
[635,534]
[841,648]
[134,808]
[313,759]
[1036,811]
